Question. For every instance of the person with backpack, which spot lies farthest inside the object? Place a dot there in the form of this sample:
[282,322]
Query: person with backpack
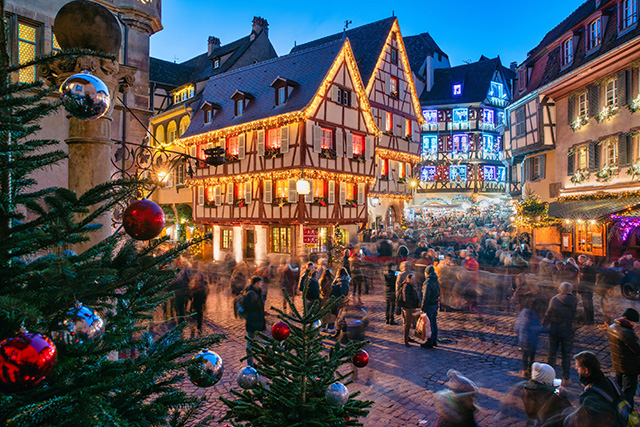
[625,352]
[598,400]
[407,299]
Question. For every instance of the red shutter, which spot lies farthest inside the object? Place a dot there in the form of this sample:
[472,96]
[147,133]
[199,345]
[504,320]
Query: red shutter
[480,173]
[472,142]
[441,143]
[472,113]
[449,115]
[449,143]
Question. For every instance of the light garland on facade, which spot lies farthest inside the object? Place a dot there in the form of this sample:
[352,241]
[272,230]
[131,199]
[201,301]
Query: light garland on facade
[407,71]
[600,196]
[280,174]
[398,156]
[393,196]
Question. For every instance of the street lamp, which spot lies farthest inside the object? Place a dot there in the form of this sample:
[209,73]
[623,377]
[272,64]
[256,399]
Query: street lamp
[303,187]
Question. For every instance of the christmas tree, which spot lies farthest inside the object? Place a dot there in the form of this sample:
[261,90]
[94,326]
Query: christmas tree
[302,385]
[118,280]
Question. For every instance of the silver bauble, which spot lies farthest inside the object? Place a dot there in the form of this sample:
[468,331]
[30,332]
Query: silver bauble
[337,394]
[208,371]
[247,377]
[317,324]
[82,327]
[85,96]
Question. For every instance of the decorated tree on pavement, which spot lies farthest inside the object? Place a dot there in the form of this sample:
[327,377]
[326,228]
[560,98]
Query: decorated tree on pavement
[65,315]
[299,379]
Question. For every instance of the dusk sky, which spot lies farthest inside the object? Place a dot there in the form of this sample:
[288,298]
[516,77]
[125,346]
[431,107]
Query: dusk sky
[464,29]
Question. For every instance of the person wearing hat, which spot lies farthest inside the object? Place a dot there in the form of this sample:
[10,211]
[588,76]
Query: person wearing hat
[456,406]
[559,321]
[625,352]
[541,403]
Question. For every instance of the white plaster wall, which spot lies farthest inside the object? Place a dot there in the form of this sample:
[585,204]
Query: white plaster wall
[262,244]
[237,243]
[216,243]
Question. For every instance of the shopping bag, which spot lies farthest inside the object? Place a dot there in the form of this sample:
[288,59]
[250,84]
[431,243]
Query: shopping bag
[420,327]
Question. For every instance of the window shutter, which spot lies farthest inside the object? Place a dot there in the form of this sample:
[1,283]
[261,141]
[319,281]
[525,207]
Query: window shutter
[222,142]
[317,139]
[260,143]
[218,195]
[592,156]
[360,194]
[339,142]
[571,106]
[387,83]
[248,197]
[402,125]
[335,93]
[308,198]
[354,99]
[368,148]
[597,150]
[543,166]
[399,89]
[383,121]
[570,161]
[527,170]
[629,85]
[622,151]
[192,151]
[343,193]
[332,192]
[381,167]
[230,193]
[201,196]
[349,144]
[242,145]
[284,139]
[594,100]
[621,88]
[293,194]
[268,186]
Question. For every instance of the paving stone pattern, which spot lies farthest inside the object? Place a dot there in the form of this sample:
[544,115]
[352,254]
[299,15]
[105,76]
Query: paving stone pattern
[402,381]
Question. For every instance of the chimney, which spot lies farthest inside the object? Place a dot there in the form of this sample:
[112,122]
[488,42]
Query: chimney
[214,43]
[513,66]
[259,25]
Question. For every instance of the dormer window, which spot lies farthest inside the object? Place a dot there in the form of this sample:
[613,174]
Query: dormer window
[628,13]
[184,94]
[283,89]
[241,102]
[567,51]
[210,110]
[594,34]
[216,63]
[457,89]
[394,55]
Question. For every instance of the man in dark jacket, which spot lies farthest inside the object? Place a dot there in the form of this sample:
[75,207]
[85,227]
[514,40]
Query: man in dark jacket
[625,352]
[408,301]
[390,293]
[597,401]
[430,300]
[254,311]
[559,321]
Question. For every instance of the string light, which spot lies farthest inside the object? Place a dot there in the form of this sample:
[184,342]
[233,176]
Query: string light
[397,156]
[393,196]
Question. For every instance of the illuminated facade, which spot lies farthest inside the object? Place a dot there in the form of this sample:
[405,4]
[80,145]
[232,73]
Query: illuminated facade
[462,152]
[277,122]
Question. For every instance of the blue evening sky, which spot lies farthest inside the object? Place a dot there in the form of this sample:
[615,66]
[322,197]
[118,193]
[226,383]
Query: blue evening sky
[464,29]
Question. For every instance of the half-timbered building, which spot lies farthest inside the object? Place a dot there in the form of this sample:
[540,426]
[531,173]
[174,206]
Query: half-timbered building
[279,126]
[462,148]
[574,127]
[386,72]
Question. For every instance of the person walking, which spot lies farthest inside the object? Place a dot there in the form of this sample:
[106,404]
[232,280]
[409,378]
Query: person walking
[254,311]
[408,301]
[528,328]
[597,401]
[588,275]
[313,290]
[543,406]
[198,292]
[326,282]
[625,352]
[340,288]
[390,293]
[288,277]
[456,406]
[430,301]
[559,321]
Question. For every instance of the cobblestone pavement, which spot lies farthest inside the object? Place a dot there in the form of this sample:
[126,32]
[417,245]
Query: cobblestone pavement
[402,381]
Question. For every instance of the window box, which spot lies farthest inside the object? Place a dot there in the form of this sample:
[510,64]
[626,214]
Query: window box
[402,180]
[580,176]
[351,203]
[358,158]
[607,113]
[634,171]
[232,158]
[279,201]
[328,153]
[320,201]
[384,177]
[272,153]
[388,133]
[605,174]
[238,203]
[634,105]
[579,123]
[209,204]
[394,95]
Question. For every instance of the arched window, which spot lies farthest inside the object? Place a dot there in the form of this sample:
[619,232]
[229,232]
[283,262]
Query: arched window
[171,132]
[184,124]
[160,135]
[391,217]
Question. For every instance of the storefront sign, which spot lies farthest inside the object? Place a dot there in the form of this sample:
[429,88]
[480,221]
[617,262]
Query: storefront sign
[310,236]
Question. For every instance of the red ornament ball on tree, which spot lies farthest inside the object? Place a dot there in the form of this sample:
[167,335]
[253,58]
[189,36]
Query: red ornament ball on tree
[280,331]
[25,361]
[360,359]
[143,220]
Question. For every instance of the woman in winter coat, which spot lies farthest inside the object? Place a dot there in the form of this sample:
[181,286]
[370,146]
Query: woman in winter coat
[408,301]
[559,321]
[340,288]
[528,328]
[390,293]
[430,301]
[326,282]
[541,403]
[254,311]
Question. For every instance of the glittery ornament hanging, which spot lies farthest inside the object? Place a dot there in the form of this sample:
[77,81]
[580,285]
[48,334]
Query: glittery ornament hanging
[208,369]
[25,361]
[143,220]
[82,327]
[247,377]
[280,331]
[337,394]
[360,359]
[85,96]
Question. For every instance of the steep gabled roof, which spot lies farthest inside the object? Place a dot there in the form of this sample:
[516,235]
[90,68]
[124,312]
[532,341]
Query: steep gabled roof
[367,42]
[308,68]
[475,79]
[168,73]
[419,47]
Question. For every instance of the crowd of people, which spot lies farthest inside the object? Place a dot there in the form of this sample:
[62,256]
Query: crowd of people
[465,263]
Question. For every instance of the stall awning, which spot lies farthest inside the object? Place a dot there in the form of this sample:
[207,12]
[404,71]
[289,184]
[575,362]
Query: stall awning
[591,209]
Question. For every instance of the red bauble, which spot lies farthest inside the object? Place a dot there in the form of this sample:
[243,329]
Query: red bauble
[143,220]
[25,361]
[360,359]
[280,331]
